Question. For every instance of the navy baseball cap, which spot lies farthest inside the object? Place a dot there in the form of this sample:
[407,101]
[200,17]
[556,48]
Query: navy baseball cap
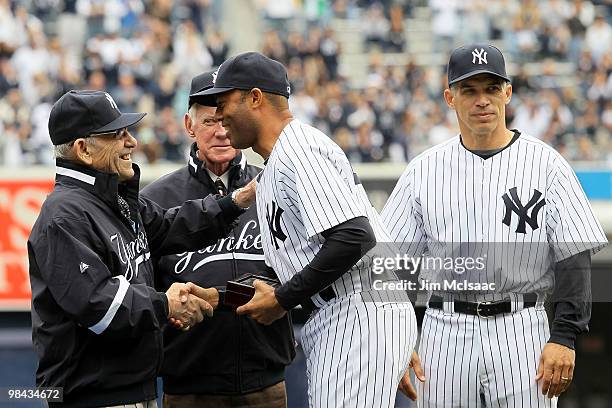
[82,113]
[251,70]
[199,84]
[469,60]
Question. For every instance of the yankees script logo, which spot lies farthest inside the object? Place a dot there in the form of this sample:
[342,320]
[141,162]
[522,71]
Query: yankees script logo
[131,254]
[249,239]
[514,205]
[273,216]
[481,55]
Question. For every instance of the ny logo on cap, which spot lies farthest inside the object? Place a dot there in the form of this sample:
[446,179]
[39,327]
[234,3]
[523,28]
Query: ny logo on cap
[481,55]
[111,101]
[215,76]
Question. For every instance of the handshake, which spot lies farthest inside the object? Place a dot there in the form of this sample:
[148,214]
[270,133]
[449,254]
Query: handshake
[188,304]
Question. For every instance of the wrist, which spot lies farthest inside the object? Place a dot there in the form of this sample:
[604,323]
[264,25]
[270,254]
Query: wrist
[237,201]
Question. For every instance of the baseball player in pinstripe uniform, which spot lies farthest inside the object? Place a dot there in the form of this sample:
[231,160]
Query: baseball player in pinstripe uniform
[316,226]
[518,202]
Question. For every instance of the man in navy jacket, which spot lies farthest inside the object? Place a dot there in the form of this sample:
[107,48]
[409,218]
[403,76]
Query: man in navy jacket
[96,319]
[232,360]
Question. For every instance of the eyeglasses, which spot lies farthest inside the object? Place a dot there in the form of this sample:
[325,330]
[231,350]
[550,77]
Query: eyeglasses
[117,134]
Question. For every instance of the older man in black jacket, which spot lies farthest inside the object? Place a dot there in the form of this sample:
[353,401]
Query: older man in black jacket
[96,319]
[232,361]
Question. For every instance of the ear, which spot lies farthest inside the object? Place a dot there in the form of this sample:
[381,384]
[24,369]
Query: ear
[449,98]
[508,95]
[255,98]
[188,124]
[82,151]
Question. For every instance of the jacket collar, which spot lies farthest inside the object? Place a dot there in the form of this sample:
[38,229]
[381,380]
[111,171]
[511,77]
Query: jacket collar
[197,169]
[104,185]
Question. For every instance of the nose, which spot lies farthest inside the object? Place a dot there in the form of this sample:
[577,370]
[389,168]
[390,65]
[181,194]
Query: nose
[220,130]
[482,101]
[130,141]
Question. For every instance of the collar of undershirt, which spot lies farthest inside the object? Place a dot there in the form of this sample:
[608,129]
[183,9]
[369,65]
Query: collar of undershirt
[486,154]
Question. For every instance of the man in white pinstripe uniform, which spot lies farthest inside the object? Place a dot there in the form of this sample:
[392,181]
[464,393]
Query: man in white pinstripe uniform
[316,226]
[495,191]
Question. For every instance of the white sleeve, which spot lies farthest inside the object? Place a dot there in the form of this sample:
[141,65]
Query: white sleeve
[403,217]
[325,197]
[571,226]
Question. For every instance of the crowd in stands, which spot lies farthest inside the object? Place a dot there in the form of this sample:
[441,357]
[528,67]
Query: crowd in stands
[145,52]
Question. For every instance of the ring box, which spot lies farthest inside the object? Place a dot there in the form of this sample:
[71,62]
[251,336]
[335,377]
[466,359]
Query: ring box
[239,291]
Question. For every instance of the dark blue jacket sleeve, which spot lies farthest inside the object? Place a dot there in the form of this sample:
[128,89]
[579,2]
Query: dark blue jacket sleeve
[188,227]
[83,286]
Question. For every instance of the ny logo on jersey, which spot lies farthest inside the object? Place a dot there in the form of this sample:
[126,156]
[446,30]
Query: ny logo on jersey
[273,216]
[514,205]
[481,55]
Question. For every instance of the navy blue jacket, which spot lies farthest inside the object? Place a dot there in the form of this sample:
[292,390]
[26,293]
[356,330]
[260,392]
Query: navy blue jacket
[230,354]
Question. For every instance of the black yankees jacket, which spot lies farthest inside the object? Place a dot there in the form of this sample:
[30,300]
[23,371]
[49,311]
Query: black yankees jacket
[230,354]
[96,318]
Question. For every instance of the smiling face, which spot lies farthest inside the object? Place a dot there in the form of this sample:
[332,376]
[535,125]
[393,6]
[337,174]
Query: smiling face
[480,103]
[239,122]
[112,153]
[213,143]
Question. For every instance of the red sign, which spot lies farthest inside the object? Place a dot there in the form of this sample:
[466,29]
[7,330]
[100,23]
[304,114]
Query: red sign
[20,202]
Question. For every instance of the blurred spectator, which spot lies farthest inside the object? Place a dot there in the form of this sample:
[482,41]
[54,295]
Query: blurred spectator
[599,37]
[191,56]
[375,27]
[329,48]
[128,93]
[218,48]
[396,41]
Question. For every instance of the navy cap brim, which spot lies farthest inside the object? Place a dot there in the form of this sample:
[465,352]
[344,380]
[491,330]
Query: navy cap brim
[478,72]
[123,121]
[201,99]
[216,91]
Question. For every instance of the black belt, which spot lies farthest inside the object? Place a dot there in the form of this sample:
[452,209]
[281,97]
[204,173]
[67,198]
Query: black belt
[484,309]
[326,294]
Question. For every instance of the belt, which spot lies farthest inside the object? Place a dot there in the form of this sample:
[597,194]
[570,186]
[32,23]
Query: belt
[326,294]
[484,309]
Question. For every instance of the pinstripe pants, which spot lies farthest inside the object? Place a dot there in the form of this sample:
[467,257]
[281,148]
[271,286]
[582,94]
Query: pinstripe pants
[474,362]
[357,351]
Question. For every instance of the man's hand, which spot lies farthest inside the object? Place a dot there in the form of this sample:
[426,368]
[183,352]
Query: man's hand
[556,369]
[185,309]
[405,385]
[263,307]
[211,295]
[245,196]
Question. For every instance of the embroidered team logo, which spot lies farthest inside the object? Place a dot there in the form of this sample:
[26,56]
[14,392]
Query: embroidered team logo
[273,216]
[214,74]
[514,205]
[111,101]
[83,267]
[481,56]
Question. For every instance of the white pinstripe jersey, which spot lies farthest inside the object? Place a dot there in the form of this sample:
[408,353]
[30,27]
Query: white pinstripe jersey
[308,186]
[524,204]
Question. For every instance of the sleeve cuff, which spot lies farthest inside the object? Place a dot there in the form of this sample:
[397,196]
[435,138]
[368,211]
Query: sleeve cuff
[230,210]
[284,299]
[162,308]
[562,335]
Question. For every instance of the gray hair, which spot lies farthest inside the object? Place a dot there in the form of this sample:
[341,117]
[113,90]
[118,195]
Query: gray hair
[65,151]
